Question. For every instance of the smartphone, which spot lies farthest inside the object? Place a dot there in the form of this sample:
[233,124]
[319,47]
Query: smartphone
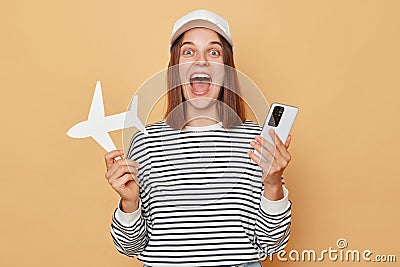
[280,118]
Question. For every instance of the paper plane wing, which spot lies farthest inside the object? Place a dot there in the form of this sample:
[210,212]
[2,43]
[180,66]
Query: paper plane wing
[97,108]
[105,141]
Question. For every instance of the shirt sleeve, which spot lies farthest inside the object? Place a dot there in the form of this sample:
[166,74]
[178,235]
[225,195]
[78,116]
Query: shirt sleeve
[129,231]
[127,218]
[272,227]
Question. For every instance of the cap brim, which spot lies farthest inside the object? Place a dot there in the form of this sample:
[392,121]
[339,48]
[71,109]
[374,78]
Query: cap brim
[199,23]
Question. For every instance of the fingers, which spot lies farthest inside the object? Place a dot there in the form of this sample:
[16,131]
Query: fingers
[276,156]
[266,145]
[109,157]
[121,170]
[288,140]
[118,183]
[264,148]
[280,147]
[120,167]
[265,165]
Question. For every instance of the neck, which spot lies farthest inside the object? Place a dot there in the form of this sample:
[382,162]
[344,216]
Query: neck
[202,117]
[202,122]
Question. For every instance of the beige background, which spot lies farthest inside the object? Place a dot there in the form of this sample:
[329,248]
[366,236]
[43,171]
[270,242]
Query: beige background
[337,60]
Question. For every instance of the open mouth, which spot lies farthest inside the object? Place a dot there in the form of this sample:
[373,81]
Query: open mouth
[200,83]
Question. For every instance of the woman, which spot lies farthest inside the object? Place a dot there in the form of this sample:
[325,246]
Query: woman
[192,192]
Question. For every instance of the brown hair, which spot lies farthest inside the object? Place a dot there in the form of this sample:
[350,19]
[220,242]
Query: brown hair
[231,106]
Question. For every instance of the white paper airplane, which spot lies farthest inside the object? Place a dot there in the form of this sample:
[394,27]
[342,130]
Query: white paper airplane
[97,125]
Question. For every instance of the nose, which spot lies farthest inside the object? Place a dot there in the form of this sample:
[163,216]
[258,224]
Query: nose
[201,60]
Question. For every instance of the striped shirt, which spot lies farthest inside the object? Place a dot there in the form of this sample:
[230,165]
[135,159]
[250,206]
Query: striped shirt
[201,199]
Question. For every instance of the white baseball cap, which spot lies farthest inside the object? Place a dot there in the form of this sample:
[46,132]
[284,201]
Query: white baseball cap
[201,18]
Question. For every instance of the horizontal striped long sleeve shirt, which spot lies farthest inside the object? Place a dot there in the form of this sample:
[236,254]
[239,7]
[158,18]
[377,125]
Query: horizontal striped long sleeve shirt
[201,199]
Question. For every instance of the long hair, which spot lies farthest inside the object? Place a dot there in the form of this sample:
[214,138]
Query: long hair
[231,107]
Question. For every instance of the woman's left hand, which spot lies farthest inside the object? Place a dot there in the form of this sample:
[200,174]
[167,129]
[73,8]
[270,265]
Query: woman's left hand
[277,158]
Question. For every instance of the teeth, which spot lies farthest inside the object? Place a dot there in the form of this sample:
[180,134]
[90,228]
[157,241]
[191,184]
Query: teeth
[200,75]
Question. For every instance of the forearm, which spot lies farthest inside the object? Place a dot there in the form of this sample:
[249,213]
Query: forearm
[273,192]
[273,189]
[129,206]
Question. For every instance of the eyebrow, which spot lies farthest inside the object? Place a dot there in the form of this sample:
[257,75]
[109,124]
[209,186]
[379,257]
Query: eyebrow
[211,43]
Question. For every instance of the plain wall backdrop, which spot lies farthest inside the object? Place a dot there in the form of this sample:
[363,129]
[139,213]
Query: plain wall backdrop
[337,60]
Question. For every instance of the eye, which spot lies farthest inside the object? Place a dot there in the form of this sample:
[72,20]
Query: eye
[188,52]
[214,53]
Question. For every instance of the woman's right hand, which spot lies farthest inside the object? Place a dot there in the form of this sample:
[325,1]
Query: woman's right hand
[122,176]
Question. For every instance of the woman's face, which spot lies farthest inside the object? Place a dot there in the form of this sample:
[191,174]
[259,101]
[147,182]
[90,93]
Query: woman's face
[201,67]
